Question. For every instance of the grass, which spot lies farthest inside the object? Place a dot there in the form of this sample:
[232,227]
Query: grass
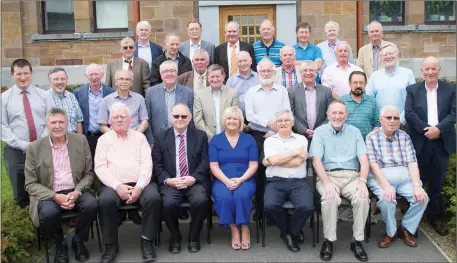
[7,192]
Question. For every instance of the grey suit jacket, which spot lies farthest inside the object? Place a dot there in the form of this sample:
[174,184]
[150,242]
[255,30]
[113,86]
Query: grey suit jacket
[184,48]
[39,170]
[297,97]
[140,74]
[157,107]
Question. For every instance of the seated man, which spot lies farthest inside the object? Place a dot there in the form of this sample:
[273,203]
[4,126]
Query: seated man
[285,159]
[180,157]
[58,175]
[395,172]
[124,166]
[340,160]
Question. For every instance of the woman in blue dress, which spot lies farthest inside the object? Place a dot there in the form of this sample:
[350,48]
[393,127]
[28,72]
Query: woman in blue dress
[233,161]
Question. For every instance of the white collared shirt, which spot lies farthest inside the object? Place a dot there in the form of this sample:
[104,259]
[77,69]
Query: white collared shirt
[193,48]
[144,52]
[229,53]
[125,65]
[432,105]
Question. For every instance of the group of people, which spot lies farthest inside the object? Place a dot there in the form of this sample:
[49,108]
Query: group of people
[252,117]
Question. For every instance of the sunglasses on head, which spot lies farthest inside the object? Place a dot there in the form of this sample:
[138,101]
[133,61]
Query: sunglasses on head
[180,116]
[128,47]
[390,118]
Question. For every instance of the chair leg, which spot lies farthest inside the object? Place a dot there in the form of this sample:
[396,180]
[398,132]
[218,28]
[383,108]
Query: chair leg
[92,229]
[98,234]
[46,247]
[257,229]
[368,225]
[38,238]
[263,229]
[158,232]
[317,228]
[312,225]
[208,223]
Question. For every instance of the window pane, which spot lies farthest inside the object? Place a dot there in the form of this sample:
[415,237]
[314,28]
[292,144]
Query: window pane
[386,11]
[230,18]
[257,30]
[237,19]
[251,19]
[243,20]
[439,10]
[251,40]
[244,30]
[251,30]
[111,14]
[60,15]
[258,19]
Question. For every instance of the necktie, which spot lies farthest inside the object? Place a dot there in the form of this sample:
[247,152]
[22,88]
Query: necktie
[29,117]
[183,171]
[233,61]
[130,64]
[201,81]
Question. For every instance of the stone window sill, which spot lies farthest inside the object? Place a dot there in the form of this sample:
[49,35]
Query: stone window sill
[80,36]
[418,28]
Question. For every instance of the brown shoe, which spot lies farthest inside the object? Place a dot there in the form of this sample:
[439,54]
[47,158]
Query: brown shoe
[386,240]
[407,237]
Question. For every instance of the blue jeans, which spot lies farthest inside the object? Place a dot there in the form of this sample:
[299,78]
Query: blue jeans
[400,180]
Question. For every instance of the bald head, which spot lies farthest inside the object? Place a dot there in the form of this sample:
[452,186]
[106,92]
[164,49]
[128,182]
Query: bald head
[287,56]
[244,62]
[431,60]
[431,71]
[342,53]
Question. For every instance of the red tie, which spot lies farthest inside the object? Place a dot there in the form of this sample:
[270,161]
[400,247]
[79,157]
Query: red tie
[29,117]
[183,171]
[130,64]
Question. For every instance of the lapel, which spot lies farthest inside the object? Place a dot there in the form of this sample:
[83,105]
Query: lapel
[170,140]
[179,95]
[203,44]
[85,99]
[223,100]
[72,155]
[47,157]
[105,90]
[190,147]
[208,99]
[224,52]
[422,100]
[135,54]
[161,97]
[136,65]
[440,98]
[190,80]
[370,50]
[302,94]
[318,100]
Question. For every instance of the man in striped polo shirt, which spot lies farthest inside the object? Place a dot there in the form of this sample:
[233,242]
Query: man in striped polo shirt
[268,46]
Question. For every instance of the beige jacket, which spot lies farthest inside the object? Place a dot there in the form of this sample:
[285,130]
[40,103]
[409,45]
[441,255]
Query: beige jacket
[365,57]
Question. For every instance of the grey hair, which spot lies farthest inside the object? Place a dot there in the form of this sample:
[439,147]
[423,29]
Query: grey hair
[242,52]
[388,108]
[233,111]
[55,111]
[282,112]
[263,61]
[93,65]
[145,23]
[119,105]
[123,70]
[331,23]
[267,21]
[394,47]
[168,62]
[374,22]
[308,63]
[280,51]
[342,43]
[182,105]
[127,40]
[202,51]
[57,69]
[234,23]
[171,35]
[423,61]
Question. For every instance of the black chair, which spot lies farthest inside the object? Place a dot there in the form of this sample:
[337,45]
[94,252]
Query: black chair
[68,215]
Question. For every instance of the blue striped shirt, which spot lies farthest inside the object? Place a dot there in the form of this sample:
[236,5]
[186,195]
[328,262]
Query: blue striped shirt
[272,52]
[68,102]
[311,52]
[242,84]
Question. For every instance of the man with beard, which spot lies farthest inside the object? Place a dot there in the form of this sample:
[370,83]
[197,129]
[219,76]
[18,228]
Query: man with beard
[340,160]
[362,109]
[287,74]
[262,102]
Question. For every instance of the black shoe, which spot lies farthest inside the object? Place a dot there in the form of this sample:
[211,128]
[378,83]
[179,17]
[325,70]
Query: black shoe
[194,246]
[326,250]
[61,254]
[147,250]
[359,253]
[81,252]
[439,227]
[135,217]
[301,237]
[183,213]
[290,242]
[110,254]
[174,247]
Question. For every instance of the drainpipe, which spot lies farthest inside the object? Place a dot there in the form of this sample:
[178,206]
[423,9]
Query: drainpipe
[359,25]
[136,4]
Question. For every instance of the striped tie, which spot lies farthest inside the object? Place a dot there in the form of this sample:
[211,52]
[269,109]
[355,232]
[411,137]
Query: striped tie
[183,171]
[233,61]
[29,117]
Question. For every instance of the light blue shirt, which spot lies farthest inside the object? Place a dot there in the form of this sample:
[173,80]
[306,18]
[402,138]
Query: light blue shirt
[242,84]
[390,89]
[170,98]
[193,48]
[144,52]
[94,104]
[216,103]
[338,150]
[328,53]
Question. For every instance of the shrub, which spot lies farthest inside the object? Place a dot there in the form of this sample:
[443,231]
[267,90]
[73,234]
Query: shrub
[449,195]
[71,87]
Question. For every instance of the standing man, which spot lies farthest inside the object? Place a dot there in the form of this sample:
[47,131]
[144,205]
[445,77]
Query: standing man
[225,53]
[362,109]
[171,53]
[287,74]
[267,46]
[340,160]
[430,114]
[196,79]
[388,85]
[188,48]
[24,109]
[209,104]
[65,100]
[304,49]
[181,166]
[59,175]
[144,48]
[138,66]
[368,57]
[89,98]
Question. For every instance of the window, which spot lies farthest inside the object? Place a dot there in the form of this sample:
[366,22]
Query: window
[439,12]
[58,16]
[388,12]
[111,16]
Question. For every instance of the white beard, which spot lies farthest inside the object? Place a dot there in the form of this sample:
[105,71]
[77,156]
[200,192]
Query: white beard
[265,81]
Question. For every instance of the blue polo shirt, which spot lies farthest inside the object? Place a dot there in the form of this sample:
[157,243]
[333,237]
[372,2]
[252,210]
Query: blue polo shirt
[311,52]
[272,52]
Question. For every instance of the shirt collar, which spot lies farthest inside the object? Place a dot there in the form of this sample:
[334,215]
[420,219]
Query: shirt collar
[292,135]
[124,59]
[251,74]
[168,58]
[396,134]
[147,45]
[263,45]
[307,46]
[219,91]
[177,133]
[198,45]
[237,44]
[98,92]
[333,130]
[259,87]
[334,45]
[172,90]
[55,147]
[116,94]
[310,89]
[64,93]
[198,75]
[427,89]
[19,90]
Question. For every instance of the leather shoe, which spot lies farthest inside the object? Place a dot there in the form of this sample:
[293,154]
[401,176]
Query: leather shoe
[386,240]
[61,254]
[110,254]
[407,237]
[326,250]
[290,242]
[183,213]
[147,250]
[121,216]
[359,253]
[439,227]
[194,246]
[301,237]
[81,252]
[135,217]
[174,247]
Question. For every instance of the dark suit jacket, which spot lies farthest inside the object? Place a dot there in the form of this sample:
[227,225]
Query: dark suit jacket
[184,65]
[417,119]
[140,74]
[187,79]
[164,156]
[297,98]
[184,48]
[82,96]
[220,56]
[39,169]
[156,50]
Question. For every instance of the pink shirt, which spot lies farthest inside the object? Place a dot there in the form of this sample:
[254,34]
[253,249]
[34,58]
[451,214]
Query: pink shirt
[311,115]
[337,78]
[63,179]
[123,160]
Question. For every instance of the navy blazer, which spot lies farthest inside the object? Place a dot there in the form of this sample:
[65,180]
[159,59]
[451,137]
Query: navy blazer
[417,119]
[220,56]
[82,95]
[156,50]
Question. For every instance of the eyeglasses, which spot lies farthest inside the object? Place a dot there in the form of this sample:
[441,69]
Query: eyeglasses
[389,118]
[122,118]
[266,71]
[283,121]
[180,116]
[128,47]
[124,80]
[168,71]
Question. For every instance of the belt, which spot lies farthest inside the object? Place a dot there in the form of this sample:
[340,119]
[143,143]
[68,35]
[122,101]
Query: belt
[97,133]
[341,169]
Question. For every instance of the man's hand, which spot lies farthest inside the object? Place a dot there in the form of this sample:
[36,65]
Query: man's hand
[419,194]
[134,195]
[432,133]
[61,200]
[72,197]
[176,183]
[309,133]
[247,128]
[331,190]
[266,135]
[124,191]
[300,152]
[188,180]
[389,194]
[376,128]
[266,163]
[272,126]
[362,189]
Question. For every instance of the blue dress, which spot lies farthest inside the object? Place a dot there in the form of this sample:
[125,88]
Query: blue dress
[233,207]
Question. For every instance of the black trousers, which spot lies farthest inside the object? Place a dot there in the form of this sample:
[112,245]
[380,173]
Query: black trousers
[433,162]
[260,174]
[172,199]
[109,202]
[92,141]
[50,214]
[14,163]
[298,192]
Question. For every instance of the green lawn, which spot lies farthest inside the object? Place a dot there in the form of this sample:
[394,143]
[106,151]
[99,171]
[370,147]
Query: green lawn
[7,193]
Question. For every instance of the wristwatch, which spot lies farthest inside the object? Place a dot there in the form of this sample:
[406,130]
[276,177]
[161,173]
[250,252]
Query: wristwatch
[363,180]
[418,184]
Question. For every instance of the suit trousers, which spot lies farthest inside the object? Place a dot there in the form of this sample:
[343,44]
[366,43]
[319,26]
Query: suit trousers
[110,201]
[92,141]
[172,199]
[297,190]
[347,182]
[14,163]
[433,162]
[50,214]
[260,174]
